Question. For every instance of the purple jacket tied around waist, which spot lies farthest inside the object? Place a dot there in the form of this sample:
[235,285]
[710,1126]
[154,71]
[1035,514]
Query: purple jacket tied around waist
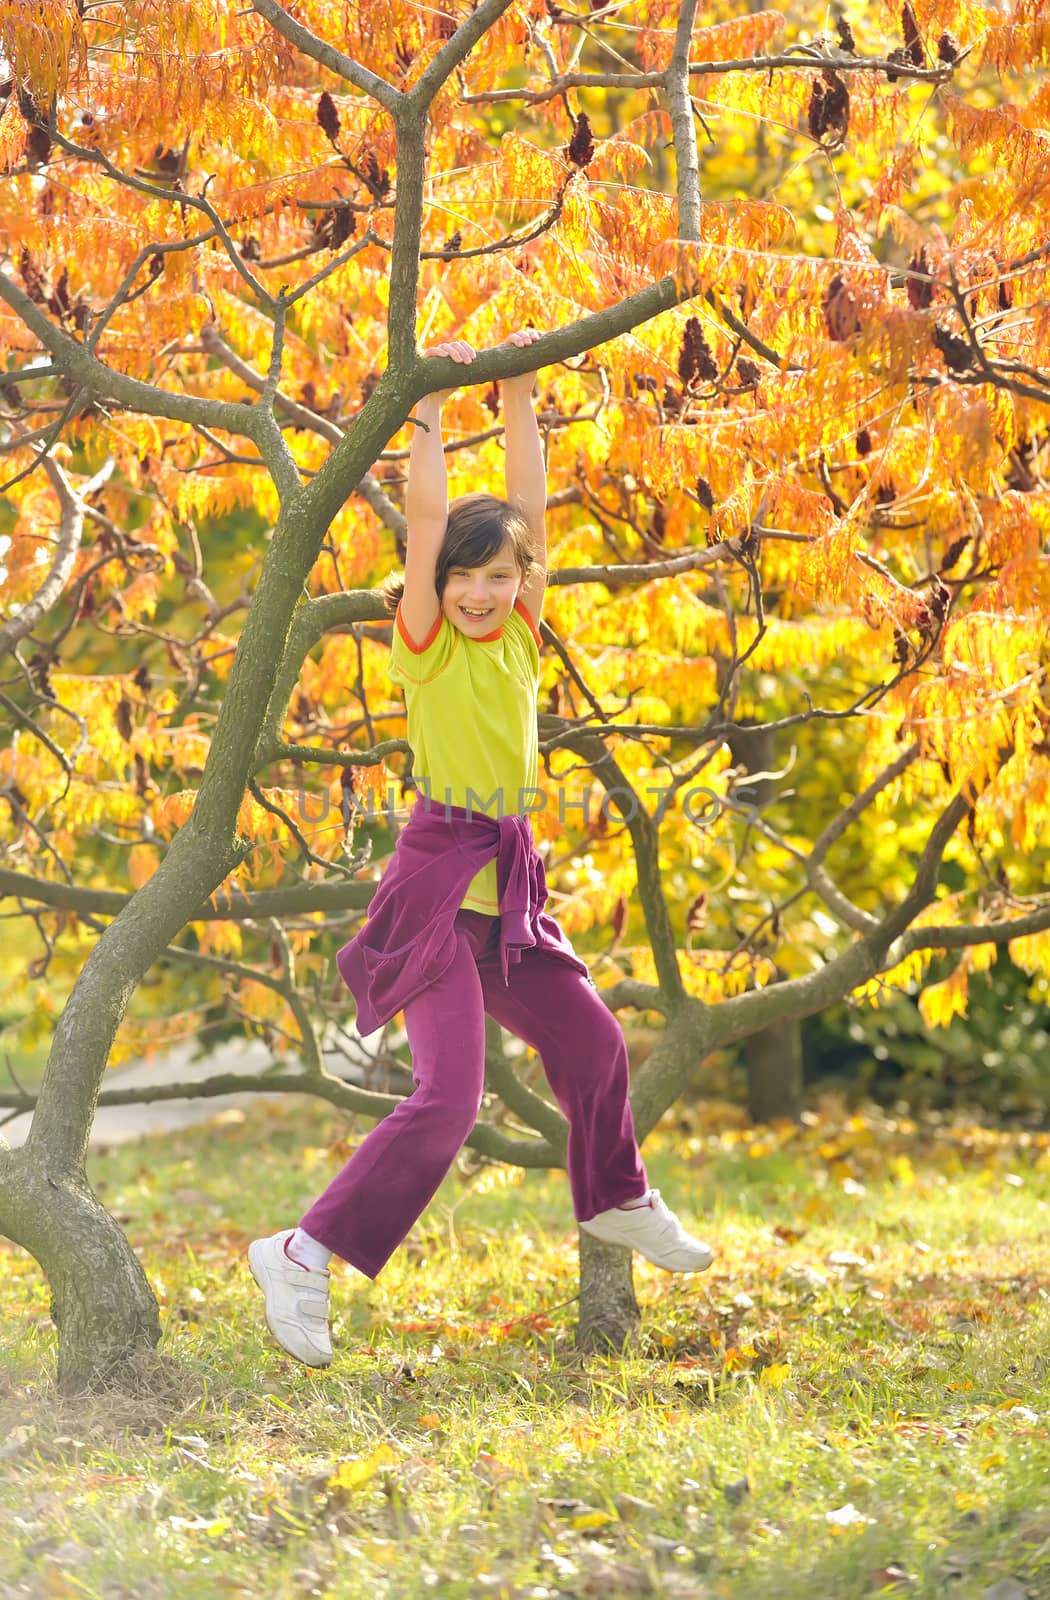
[409,939]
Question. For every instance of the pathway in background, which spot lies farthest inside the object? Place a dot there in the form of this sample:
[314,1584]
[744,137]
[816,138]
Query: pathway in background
[115,1124]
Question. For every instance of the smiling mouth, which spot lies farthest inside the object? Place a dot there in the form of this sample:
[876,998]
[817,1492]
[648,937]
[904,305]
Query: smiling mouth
[477,615]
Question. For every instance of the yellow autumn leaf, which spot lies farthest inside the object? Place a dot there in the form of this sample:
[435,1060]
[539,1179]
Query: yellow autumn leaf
[775,1375]
[355,1471]
[592,1519]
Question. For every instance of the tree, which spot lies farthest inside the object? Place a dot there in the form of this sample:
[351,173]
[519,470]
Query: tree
[169,170]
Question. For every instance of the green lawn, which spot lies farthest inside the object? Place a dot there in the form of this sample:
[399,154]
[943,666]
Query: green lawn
[854,1400]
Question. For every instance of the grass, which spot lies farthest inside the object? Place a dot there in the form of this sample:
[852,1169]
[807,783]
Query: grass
[854,1400]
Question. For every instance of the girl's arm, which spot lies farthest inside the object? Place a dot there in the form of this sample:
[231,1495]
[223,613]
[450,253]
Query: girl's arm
[526,472]
[426,505]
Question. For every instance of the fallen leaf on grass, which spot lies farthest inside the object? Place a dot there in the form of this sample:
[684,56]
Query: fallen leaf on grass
[357,1470]
[587,1520]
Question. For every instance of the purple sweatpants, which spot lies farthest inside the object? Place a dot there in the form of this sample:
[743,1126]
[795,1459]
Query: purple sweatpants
[370,1206]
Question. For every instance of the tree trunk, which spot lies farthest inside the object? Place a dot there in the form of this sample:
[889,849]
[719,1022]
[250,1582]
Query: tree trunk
[101,1300]
[609,1317]
[773,1058]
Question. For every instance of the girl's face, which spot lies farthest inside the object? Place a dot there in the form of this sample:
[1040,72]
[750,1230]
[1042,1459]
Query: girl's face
[478,600]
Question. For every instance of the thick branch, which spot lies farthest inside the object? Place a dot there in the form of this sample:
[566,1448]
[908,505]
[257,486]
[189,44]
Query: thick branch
[320,50]
[686,158]
[295,900]
[330,487]
[456,50]
[629,993]
[311,621]
[526,1105]
[95,378]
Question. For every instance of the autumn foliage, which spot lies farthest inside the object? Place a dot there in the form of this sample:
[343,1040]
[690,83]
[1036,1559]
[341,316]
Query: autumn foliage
[834,449]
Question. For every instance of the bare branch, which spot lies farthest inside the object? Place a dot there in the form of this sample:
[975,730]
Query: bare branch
[179,197]
[310,622]
[644,571]
[332,266]
[71,526]
[326,757]
[528,1106]
[26,721]
[657,80]
[323,1086]
[124,291]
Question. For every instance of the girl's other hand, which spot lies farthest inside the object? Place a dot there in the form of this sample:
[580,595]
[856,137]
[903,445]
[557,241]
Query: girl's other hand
[520,339]
[455,350]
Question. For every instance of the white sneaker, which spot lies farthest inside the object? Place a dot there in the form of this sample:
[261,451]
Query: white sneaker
[655,1232]
[296,1300]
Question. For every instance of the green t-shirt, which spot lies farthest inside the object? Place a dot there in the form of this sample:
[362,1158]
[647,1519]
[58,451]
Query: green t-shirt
[471,707]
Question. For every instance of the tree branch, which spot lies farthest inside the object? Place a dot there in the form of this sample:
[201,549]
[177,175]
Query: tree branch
[71,527]
[295,900]
[645,838]
[686,158]
[369,488]
[324,1086]
[179,197]
[95,378]
[817,874]
[328,56]
[526,1105]
[454,51]
[632,81]
[311,621]
[948,936]
[643,571]
[327,491]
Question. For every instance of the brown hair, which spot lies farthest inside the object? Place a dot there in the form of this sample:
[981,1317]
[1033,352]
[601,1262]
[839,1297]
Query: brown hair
[479,527]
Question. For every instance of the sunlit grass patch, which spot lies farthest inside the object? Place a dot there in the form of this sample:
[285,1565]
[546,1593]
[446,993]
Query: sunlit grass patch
[855,1396]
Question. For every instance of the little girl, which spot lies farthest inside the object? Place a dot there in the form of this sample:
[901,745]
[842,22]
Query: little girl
[457,928]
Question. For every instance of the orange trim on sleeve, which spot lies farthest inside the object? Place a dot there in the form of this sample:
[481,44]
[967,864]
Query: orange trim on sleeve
[524,612]
[417,649]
